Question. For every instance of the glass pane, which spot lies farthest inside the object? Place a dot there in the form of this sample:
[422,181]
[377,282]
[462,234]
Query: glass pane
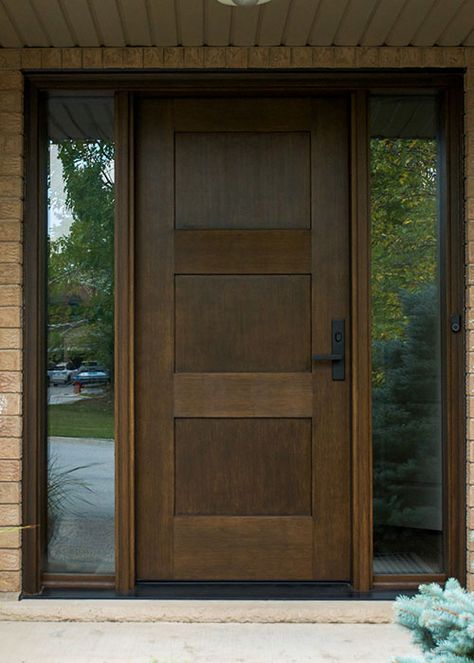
[80,337]
[406,354]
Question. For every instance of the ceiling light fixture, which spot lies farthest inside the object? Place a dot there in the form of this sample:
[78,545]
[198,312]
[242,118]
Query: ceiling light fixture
[243,3]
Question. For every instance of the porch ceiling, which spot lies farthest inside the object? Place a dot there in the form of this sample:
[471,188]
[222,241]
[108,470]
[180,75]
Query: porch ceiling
[65,23]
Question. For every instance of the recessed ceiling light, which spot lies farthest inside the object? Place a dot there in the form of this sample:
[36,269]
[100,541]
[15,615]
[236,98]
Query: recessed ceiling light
[243,3]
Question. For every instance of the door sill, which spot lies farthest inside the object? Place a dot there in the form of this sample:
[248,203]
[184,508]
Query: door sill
[227,591]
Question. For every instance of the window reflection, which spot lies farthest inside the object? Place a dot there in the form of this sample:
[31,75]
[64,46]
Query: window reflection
[80,348]
[406,356]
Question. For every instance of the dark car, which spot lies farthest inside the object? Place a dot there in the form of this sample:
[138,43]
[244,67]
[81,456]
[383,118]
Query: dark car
[92,375]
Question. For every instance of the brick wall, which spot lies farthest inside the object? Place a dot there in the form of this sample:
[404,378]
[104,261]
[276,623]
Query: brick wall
[12,62]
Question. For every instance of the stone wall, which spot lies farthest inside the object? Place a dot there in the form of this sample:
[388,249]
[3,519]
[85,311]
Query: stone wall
[12,63]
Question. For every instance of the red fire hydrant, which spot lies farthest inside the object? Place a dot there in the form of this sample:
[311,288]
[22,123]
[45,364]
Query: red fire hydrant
[77,387]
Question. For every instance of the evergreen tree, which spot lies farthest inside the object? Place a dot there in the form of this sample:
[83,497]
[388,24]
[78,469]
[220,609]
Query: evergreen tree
[442,622]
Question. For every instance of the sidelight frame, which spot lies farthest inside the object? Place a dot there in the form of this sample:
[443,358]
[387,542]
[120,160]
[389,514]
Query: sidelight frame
[283,83]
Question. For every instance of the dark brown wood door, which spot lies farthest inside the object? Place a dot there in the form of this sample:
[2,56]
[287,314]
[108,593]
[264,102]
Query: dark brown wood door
[242,264]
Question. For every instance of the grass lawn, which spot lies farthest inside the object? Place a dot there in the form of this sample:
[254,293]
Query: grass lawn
[90,417]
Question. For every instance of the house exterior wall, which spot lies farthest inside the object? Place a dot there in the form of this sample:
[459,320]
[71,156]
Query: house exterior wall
[14,61]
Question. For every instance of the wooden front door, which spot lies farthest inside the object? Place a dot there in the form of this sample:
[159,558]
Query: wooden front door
[242,270]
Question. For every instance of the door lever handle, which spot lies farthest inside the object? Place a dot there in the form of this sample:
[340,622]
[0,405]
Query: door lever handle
[338,346]
[335,357]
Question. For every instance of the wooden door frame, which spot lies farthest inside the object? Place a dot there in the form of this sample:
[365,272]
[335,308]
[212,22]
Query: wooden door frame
[284,83]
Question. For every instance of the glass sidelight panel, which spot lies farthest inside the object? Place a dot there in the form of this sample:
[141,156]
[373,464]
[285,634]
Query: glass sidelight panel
[80,335]
[406,338]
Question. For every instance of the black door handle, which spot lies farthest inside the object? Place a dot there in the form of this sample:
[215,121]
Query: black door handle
[337,355]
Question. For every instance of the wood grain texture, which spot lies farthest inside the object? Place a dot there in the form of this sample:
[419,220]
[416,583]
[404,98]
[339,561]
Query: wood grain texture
[254,395]
[243,467]
[243,252]
[124,350]
[362,524]
[154,340]
[331,301]
[226,548]
[242,323]
[253,180]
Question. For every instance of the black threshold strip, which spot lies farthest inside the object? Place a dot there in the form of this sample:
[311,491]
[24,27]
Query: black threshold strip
[237,591]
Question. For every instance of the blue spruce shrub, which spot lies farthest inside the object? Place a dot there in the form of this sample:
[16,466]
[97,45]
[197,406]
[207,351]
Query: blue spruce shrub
[442,623]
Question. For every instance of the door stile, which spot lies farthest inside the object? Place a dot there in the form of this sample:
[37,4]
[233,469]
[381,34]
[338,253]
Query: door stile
[362,519]
[154,335]
[124,354]
[331,399]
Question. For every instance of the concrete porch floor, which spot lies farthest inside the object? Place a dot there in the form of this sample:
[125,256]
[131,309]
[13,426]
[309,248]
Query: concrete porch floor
[72,642]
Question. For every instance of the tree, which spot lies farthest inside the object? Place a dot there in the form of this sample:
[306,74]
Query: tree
[81,262]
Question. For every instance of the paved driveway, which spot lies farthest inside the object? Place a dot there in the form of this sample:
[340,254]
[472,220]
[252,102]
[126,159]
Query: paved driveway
[198,643]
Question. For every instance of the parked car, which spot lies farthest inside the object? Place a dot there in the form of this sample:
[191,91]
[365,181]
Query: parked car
[92,375]
[61,374]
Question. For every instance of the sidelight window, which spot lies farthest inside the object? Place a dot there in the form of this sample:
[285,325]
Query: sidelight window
[80,335]
[406,335]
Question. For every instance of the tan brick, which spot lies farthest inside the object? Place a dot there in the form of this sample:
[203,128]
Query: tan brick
[9,58]
[367,57]
[112,57]
[11,146]
[31,58]
[433,57]
[214,57]
[10,231]
[11,80]
[11,123]
[259,57]
[51,58]
[454,57]
[9,494]
[132,57]
[194,57]
[10,425]
[9,316]
[470,209]
[236,57]
[10,360]
[10,251]
[11,101]
[92,58]
[10,404]
[10,273]
[10,187]
[470,518]
[10,381]
[10,295]
[11,208]
[71,58]
[10,448]
[470,429]
[173,57]
[9,581]
[389,57]
[10,560]
[325,57]
[470,453]
[411,57]
[10,538]
[301,56]
[10,165]
[10,339]
[280,57]
[10,470]
[153,57]
[10,515]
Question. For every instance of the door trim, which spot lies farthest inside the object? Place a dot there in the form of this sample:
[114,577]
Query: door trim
[292,83]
